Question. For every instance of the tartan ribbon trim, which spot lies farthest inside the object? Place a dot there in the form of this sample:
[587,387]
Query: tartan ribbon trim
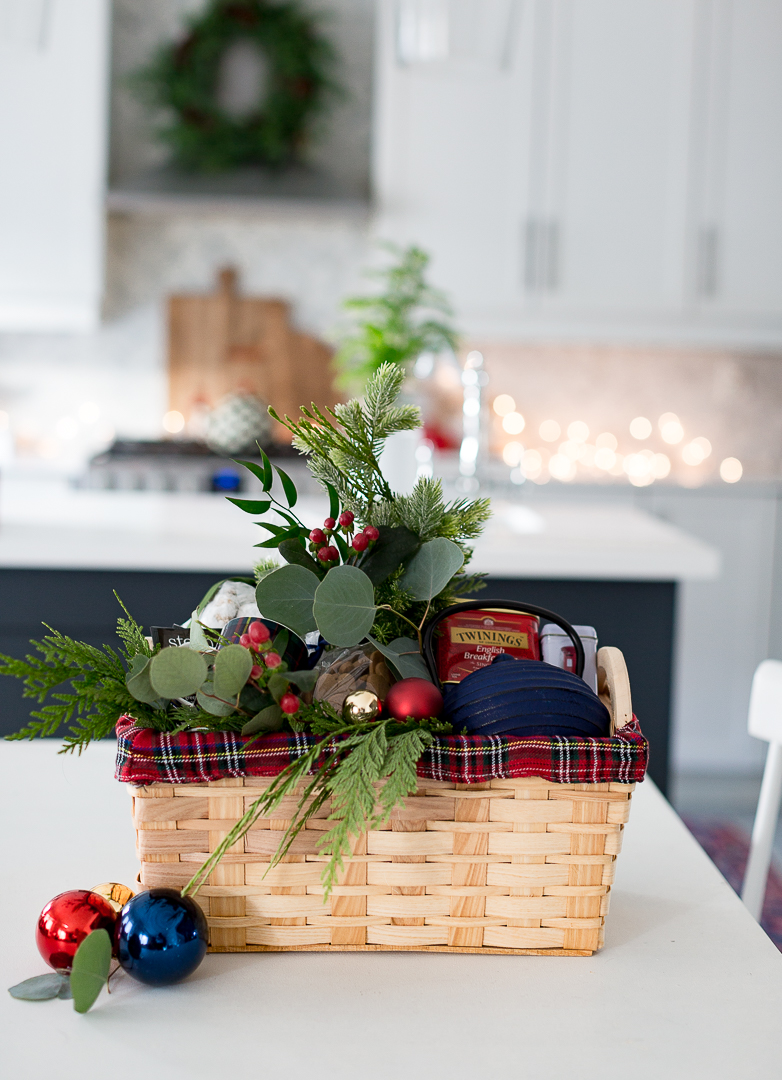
[150,757]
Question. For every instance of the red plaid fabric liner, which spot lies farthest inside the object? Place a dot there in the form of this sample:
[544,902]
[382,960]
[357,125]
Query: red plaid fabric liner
[149,757]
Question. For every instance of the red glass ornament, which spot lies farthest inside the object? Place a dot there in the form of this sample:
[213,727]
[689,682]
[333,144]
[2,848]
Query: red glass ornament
[372,534]
[65,922]
[414,697]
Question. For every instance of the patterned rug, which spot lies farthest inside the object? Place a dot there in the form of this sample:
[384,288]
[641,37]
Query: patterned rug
[727,846]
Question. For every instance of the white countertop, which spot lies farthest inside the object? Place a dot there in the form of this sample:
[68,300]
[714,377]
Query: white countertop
[48,525]
[687,987]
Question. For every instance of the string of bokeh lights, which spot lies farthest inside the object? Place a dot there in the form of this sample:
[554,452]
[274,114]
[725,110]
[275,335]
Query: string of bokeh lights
[576,457]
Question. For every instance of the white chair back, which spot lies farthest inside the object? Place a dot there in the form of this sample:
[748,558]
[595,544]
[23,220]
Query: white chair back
[765,722]
[765,703]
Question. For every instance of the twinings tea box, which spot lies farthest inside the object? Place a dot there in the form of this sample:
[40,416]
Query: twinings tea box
[470,640]
[558,650]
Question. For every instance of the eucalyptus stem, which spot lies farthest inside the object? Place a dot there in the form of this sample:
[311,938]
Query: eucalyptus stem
[387,607]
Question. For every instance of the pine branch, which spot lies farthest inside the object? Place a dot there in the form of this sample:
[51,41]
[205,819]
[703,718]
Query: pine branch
[365,770]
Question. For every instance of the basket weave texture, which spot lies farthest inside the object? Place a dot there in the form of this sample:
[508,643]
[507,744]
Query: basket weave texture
[510,866]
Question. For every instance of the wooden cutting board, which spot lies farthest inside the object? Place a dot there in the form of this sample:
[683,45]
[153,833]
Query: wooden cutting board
[222,342]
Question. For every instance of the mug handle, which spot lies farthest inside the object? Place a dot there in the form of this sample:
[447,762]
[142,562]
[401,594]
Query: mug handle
[508,605]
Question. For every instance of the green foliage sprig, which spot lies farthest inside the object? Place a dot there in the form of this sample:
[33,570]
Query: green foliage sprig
[92,690]
[364,771]
[397,325]
[182,82]
[343,452]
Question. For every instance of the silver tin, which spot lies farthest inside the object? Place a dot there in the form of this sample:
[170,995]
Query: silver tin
[556,648]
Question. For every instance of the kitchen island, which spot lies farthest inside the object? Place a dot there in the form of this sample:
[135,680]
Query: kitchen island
[63,552]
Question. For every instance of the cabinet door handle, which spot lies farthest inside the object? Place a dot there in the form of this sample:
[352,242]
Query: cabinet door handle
[541,244]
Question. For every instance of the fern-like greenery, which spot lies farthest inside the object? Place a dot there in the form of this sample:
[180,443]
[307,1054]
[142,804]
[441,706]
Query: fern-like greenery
[344,448]
[363,770]
[397,325]
[85,686]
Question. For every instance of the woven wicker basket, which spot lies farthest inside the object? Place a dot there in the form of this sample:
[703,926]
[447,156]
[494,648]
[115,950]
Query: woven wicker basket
[510,866]
[520,866]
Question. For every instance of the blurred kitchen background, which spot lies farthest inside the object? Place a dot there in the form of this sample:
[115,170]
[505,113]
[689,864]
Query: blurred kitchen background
[597,183]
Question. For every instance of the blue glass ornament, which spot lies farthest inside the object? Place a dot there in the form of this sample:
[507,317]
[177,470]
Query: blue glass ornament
[161,937]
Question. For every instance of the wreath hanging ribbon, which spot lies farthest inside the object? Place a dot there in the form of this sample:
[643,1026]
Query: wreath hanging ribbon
[183,79]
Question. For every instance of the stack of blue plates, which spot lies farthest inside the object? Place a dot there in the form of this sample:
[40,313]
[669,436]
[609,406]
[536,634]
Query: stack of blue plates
[525,697]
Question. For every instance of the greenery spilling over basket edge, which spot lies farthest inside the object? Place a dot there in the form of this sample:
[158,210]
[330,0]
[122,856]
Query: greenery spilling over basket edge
[378,585]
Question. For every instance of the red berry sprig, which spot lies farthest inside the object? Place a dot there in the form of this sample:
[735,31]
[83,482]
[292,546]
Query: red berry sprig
[362,540]
[289,704]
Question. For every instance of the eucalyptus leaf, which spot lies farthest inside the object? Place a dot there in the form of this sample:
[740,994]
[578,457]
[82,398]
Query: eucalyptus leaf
[138,682]
[40,987]
[288,486]
[392,547]
[269,719]
[91,966]
[431,568]
[293,552]
[280,641]
[287,595]
[232,667]
[65,994]
[210,702]
[305,680]
[344,606]
[405,657]
[176,673]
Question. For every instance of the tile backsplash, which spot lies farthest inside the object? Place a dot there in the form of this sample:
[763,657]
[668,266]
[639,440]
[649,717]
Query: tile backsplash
[731,400]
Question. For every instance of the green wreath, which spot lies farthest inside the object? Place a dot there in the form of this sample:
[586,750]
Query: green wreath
[183,79]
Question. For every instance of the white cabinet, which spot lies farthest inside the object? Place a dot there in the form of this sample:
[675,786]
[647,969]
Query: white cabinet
[748,218]
[451,147]
[612,171]
[53,60]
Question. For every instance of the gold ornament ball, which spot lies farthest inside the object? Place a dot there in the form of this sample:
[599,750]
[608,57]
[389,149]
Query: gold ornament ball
[116,894]
[360,706]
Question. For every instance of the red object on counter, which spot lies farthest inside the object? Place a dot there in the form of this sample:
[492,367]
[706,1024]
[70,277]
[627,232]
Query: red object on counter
[470,640]
[66,921]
